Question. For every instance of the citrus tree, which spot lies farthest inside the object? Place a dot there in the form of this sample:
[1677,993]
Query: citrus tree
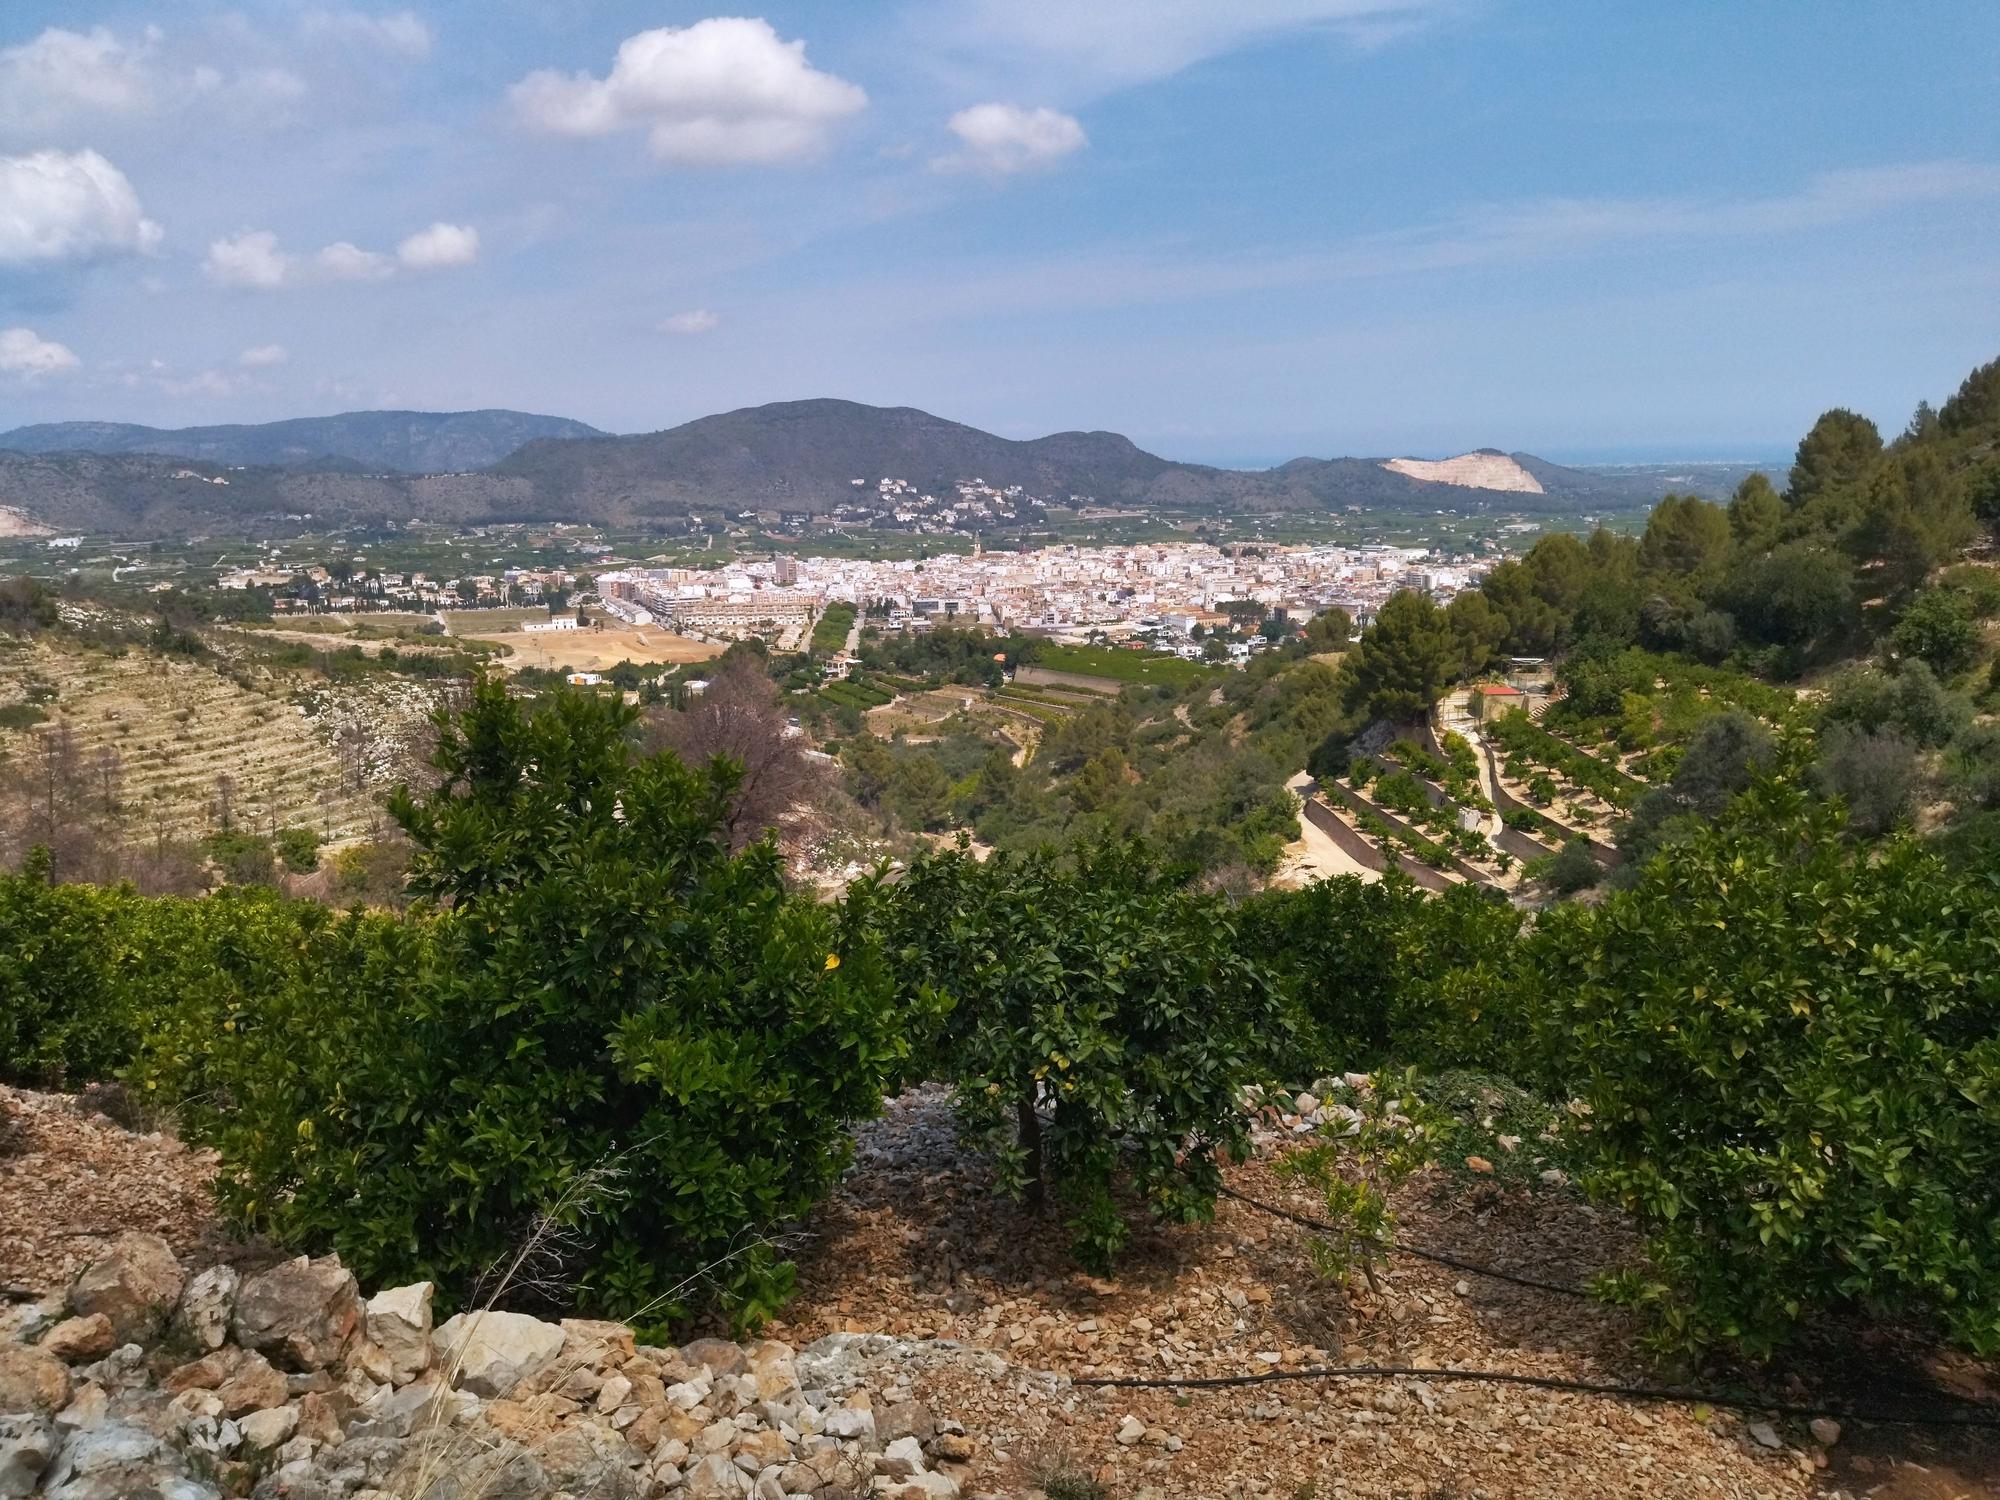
[1103,1021]
[599,1031]
[1787,1055]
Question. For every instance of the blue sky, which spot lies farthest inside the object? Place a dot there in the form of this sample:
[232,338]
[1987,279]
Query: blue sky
[1234,231]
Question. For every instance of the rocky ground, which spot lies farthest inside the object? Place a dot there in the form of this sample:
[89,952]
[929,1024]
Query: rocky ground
[945,1346]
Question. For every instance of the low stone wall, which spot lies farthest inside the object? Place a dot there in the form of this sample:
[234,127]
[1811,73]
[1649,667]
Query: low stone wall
[289,1385]
[1416,869]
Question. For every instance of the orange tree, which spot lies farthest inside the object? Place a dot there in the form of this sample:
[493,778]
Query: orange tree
[1104,1019]
[599,1029]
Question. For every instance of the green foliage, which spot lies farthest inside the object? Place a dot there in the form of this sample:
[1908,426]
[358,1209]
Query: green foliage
[1873,771]
[1120,665]
[608,1024]
[1105,994]
[1940,628]
[1355,1164]
[87,973]
[244,858]
[1786,1053]
[1525,740]
[830,634]
[1837,452]
[1380,969]
[1573,869]
[1911,700]
[1404,661]
[299,849]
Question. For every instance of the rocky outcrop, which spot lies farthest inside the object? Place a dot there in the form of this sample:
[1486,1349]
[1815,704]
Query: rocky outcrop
[288,1386]
[134,1286]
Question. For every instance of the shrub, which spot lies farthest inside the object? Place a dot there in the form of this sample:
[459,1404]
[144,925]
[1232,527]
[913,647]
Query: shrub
[1874,771]
[1939,628]
[243,858]
[1371,971]
[1573,869]
[88,973]
[1786,1049]
[602,1022]
[299,849]
[1104,1019]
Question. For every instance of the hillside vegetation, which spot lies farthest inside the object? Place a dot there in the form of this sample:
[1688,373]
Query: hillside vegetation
[1772,1045]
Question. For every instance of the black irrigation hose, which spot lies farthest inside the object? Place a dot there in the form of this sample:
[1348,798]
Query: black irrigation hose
[1400,1249]
[1506,1377]
[1552,1383]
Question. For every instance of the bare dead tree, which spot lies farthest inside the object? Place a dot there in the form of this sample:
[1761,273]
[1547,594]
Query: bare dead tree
[743,717]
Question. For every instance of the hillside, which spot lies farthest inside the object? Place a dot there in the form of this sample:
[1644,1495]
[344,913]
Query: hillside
[795,456]
[415,442]
[806,455]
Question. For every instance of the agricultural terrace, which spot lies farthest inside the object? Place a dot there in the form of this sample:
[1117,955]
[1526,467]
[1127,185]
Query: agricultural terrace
[1148,668]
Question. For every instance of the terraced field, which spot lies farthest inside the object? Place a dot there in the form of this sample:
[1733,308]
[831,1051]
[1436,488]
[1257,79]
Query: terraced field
[187,737]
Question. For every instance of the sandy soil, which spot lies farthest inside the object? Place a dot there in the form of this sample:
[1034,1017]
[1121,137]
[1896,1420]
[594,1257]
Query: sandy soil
[592,650]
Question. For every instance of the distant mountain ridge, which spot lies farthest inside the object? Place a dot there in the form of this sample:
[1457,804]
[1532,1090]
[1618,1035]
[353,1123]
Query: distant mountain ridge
[411,442]
[788,456]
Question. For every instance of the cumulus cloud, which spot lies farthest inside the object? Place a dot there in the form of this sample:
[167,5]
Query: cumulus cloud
[399,33]
[727,90]
[60,74]
[695,320]
[440,246]
[256,261]
[341,261]
[25,353]
[69,205]
[251,261]
[1008,138]
[263,356]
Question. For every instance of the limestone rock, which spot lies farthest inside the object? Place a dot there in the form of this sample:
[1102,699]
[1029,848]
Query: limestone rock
[80,1338]
[301,1313]
[32,1380]
[265,1430]
[27,1443]
[1825,1431]
[252,1386]
[597,1344]
[203,1314]
[492,1352]
[399,1324]
[117,1462]
[134,1284]
[918,1487]
[719,1356]
[901,1419]
[716,1478]
[584,1461]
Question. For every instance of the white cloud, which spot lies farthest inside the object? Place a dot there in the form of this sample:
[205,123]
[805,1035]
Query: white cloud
[1008,138]
[251,261]
[60,74]
[342,261]
[26,353]
[724,90]
[263,356]
[256,261]
[68,205]
[695,320]
[400,33]
[440,246]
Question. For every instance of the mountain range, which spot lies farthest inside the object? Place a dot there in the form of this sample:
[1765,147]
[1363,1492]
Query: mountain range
[791,456]
[412,442]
